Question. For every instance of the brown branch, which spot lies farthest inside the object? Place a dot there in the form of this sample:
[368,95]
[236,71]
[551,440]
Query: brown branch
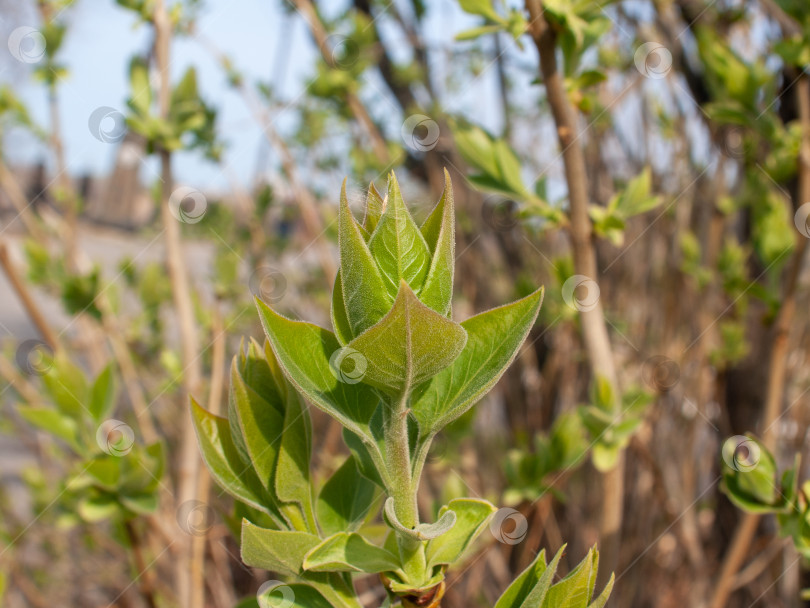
[594,328]
[9,185]
[189,460]
[319,33]
[28,302]
[144,576]
[204,480]
[777,368]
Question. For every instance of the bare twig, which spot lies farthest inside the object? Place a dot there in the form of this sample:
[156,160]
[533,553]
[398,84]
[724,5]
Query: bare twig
[189,461]
[204,479]
[594,328]
[28,302]
[777,368]
[319,33]
[145,576]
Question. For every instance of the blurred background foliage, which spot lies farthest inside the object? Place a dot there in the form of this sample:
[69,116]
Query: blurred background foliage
[126,291]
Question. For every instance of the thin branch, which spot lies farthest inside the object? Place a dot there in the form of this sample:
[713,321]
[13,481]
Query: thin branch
[28,302]
[594,328]
[319,33]
[189,460]
[777,368]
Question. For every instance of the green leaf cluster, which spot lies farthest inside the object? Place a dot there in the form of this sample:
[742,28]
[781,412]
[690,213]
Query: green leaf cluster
[190,123]
[535,587]
[752,483]
[394,371]
[530,474]
[114,476]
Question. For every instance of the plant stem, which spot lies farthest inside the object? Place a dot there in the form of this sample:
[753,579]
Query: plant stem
[398,457]
[190,588]
[777,368]
[594,328]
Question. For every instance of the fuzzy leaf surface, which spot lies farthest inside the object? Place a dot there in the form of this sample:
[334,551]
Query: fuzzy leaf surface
[409,345]
[493,339]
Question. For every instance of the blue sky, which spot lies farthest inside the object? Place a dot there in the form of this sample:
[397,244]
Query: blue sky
[102,38]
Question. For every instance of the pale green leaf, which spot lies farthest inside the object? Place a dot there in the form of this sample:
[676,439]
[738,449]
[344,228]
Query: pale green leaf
[57,424]
[345,499]
[364,293]
[97,508]
[304,351]
[375,206]
[409,345]
[472,516]
[340,319]
[66,384]
[102,395]
[576,589]
[494,338]
[423,531]
[296,595]
[344,552]
[439,233]
[397,245]
[226,466]
[292,467]
[522,586]
[280,551]
[482,8]
[260,427]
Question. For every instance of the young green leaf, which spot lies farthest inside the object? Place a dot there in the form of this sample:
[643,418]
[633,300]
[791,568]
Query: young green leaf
[340,319]
[57,424]
[409,345]
[364,293]
[102,395]
[494,338]
[280,551]
[421,531]
[67,386]
[344,552]
[375,207]
[536,579]
[440,235]
[472,516]
[397,245]
[576,589]
[292,481]
[223,460]
[296,595]
[304,351]
[345,499]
